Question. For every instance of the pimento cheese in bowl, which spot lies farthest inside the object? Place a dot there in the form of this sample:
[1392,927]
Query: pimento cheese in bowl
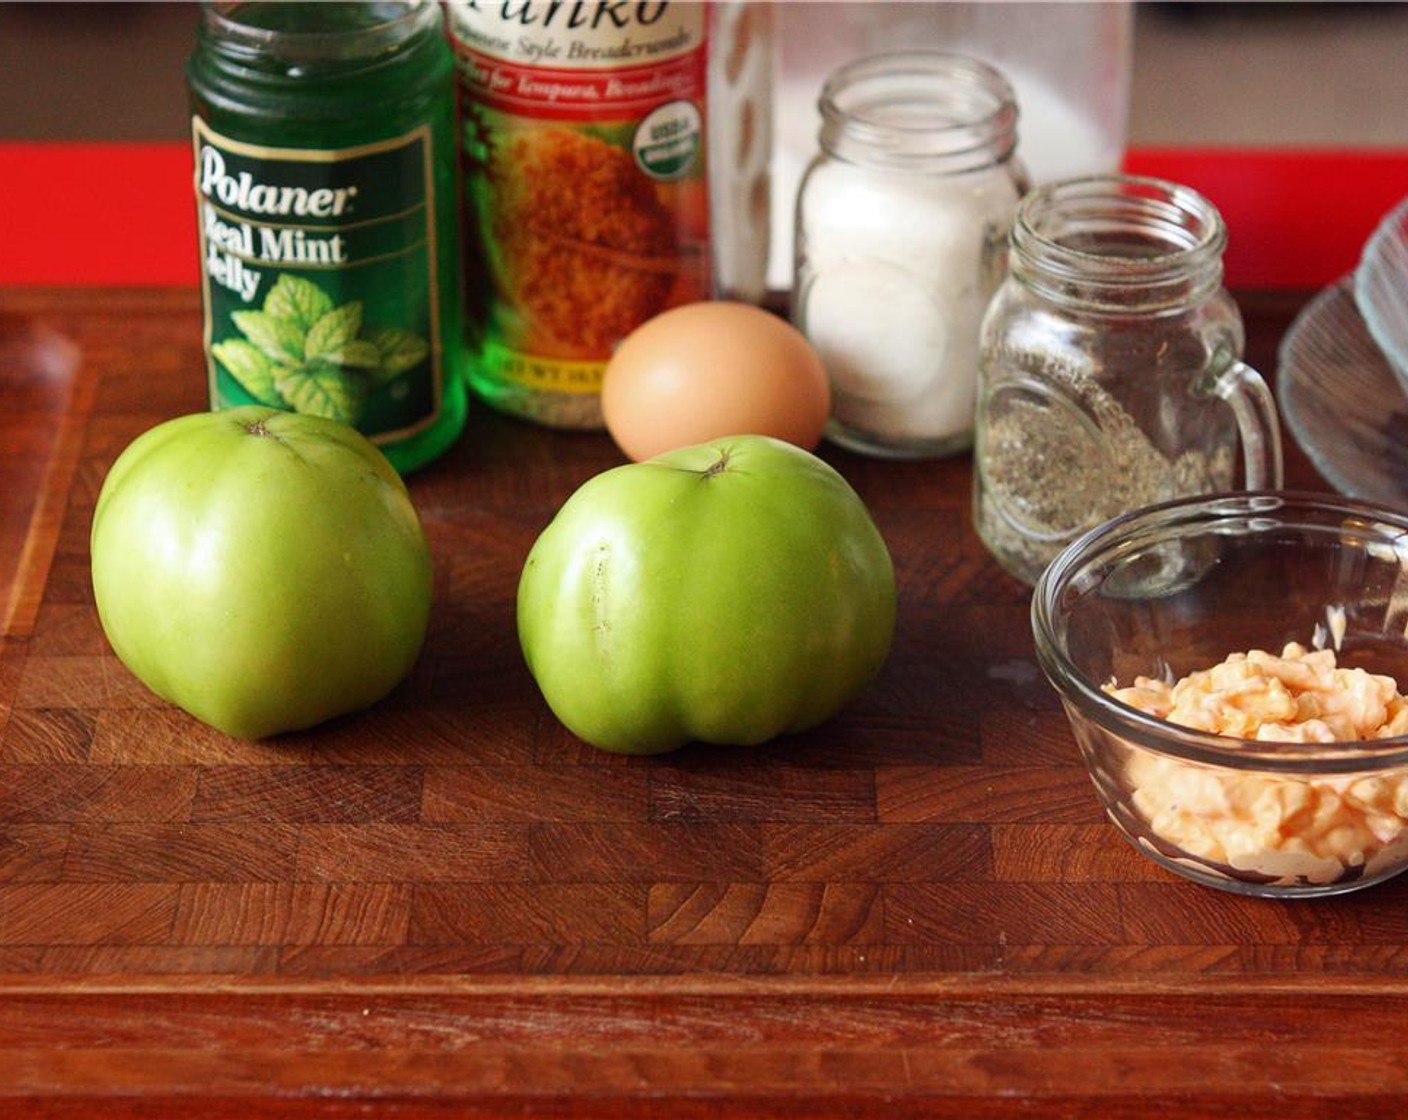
[1281,771]
[1287,828]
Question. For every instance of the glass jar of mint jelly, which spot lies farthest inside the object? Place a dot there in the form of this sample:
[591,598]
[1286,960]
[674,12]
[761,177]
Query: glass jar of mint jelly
[325,181]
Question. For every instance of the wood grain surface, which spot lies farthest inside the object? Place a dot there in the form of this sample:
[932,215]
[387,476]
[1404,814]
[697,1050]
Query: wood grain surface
[448,906]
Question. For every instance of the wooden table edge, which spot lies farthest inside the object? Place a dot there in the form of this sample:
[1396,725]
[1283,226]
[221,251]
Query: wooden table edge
[977,986]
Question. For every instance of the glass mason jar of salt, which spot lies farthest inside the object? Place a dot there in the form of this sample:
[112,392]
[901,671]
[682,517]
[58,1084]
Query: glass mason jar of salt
[1110,372]
[901,240]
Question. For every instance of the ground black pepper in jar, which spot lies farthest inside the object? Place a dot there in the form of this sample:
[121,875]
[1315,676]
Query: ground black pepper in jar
[1110,373]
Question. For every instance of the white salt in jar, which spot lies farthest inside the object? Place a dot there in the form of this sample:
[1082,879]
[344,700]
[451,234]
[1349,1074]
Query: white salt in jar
[902,225]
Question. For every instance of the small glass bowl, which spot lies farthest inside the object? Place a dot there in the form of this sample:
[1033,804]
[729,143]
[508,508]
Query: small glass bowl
[1173,588]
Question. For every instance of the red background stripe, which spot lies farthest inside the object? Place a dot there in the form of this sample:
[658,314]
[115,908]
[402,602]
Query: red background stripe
[123,214]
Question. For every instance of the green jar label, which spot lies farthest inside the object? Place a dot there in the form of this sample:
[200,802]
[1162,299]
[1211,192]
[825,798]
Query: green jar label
[320,279]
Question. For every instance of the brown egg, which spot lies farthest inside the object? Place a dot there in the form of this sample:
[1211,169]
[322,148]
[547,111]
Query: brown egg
[706,370]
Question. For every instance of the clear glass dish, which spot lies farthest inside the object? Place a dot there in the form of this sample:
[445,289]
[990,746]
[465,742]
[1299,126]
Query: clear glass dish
[1177,587]
[1381,288]
[1341,401]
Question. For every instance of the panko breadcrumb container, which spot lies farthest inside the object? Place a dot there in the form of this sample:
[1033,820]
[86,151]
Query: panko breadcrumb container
[615,164]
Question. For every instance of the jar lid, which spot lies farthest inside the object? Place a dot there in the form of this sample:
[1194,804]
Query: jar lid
[919,111]
[315,33]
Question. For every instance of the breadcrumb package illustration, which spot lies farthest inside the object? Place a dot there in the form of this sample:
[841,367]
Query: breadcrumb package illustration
[615,164]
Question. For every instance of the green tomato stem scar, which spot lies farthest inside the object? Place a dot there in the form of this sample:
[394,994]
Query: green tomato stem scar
[717,467]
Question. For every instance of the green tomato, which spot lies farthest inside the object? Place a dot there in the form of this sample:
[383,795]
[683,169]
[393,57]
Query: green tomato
[728,592]
[264,570]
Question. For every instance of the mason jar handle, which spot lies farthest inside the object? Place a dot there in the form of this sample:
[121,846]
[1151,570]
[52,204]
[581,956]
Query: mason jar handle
[1250,399]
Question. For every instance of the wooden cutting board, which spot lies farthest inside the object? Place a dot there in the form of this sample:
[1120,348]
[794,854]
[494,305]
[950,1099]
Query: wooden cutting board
[449,903]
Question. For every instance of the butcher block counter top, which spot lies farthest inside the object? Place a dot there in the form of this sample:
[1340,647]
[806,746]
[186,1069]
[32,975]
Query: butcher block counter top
[448,906]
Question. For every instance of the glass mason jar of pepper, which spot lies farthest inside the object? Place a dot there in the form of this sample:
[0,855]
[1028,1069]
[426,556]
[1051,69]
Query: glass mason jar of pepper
[1110,372]
[325,180]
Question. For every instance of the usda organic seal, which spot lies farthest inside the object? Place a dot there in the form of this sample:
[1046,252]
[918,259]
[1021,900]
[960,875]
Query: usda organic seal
[667,141]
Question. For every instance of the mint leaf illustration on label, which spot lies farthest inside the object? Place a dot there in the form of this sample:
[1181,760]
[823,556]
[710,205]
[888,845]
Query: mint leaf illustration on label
[400,351]
[252,369]
[297,301]
[324,391]
[358,354]
[302,351]
[281,341]
[334,330]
